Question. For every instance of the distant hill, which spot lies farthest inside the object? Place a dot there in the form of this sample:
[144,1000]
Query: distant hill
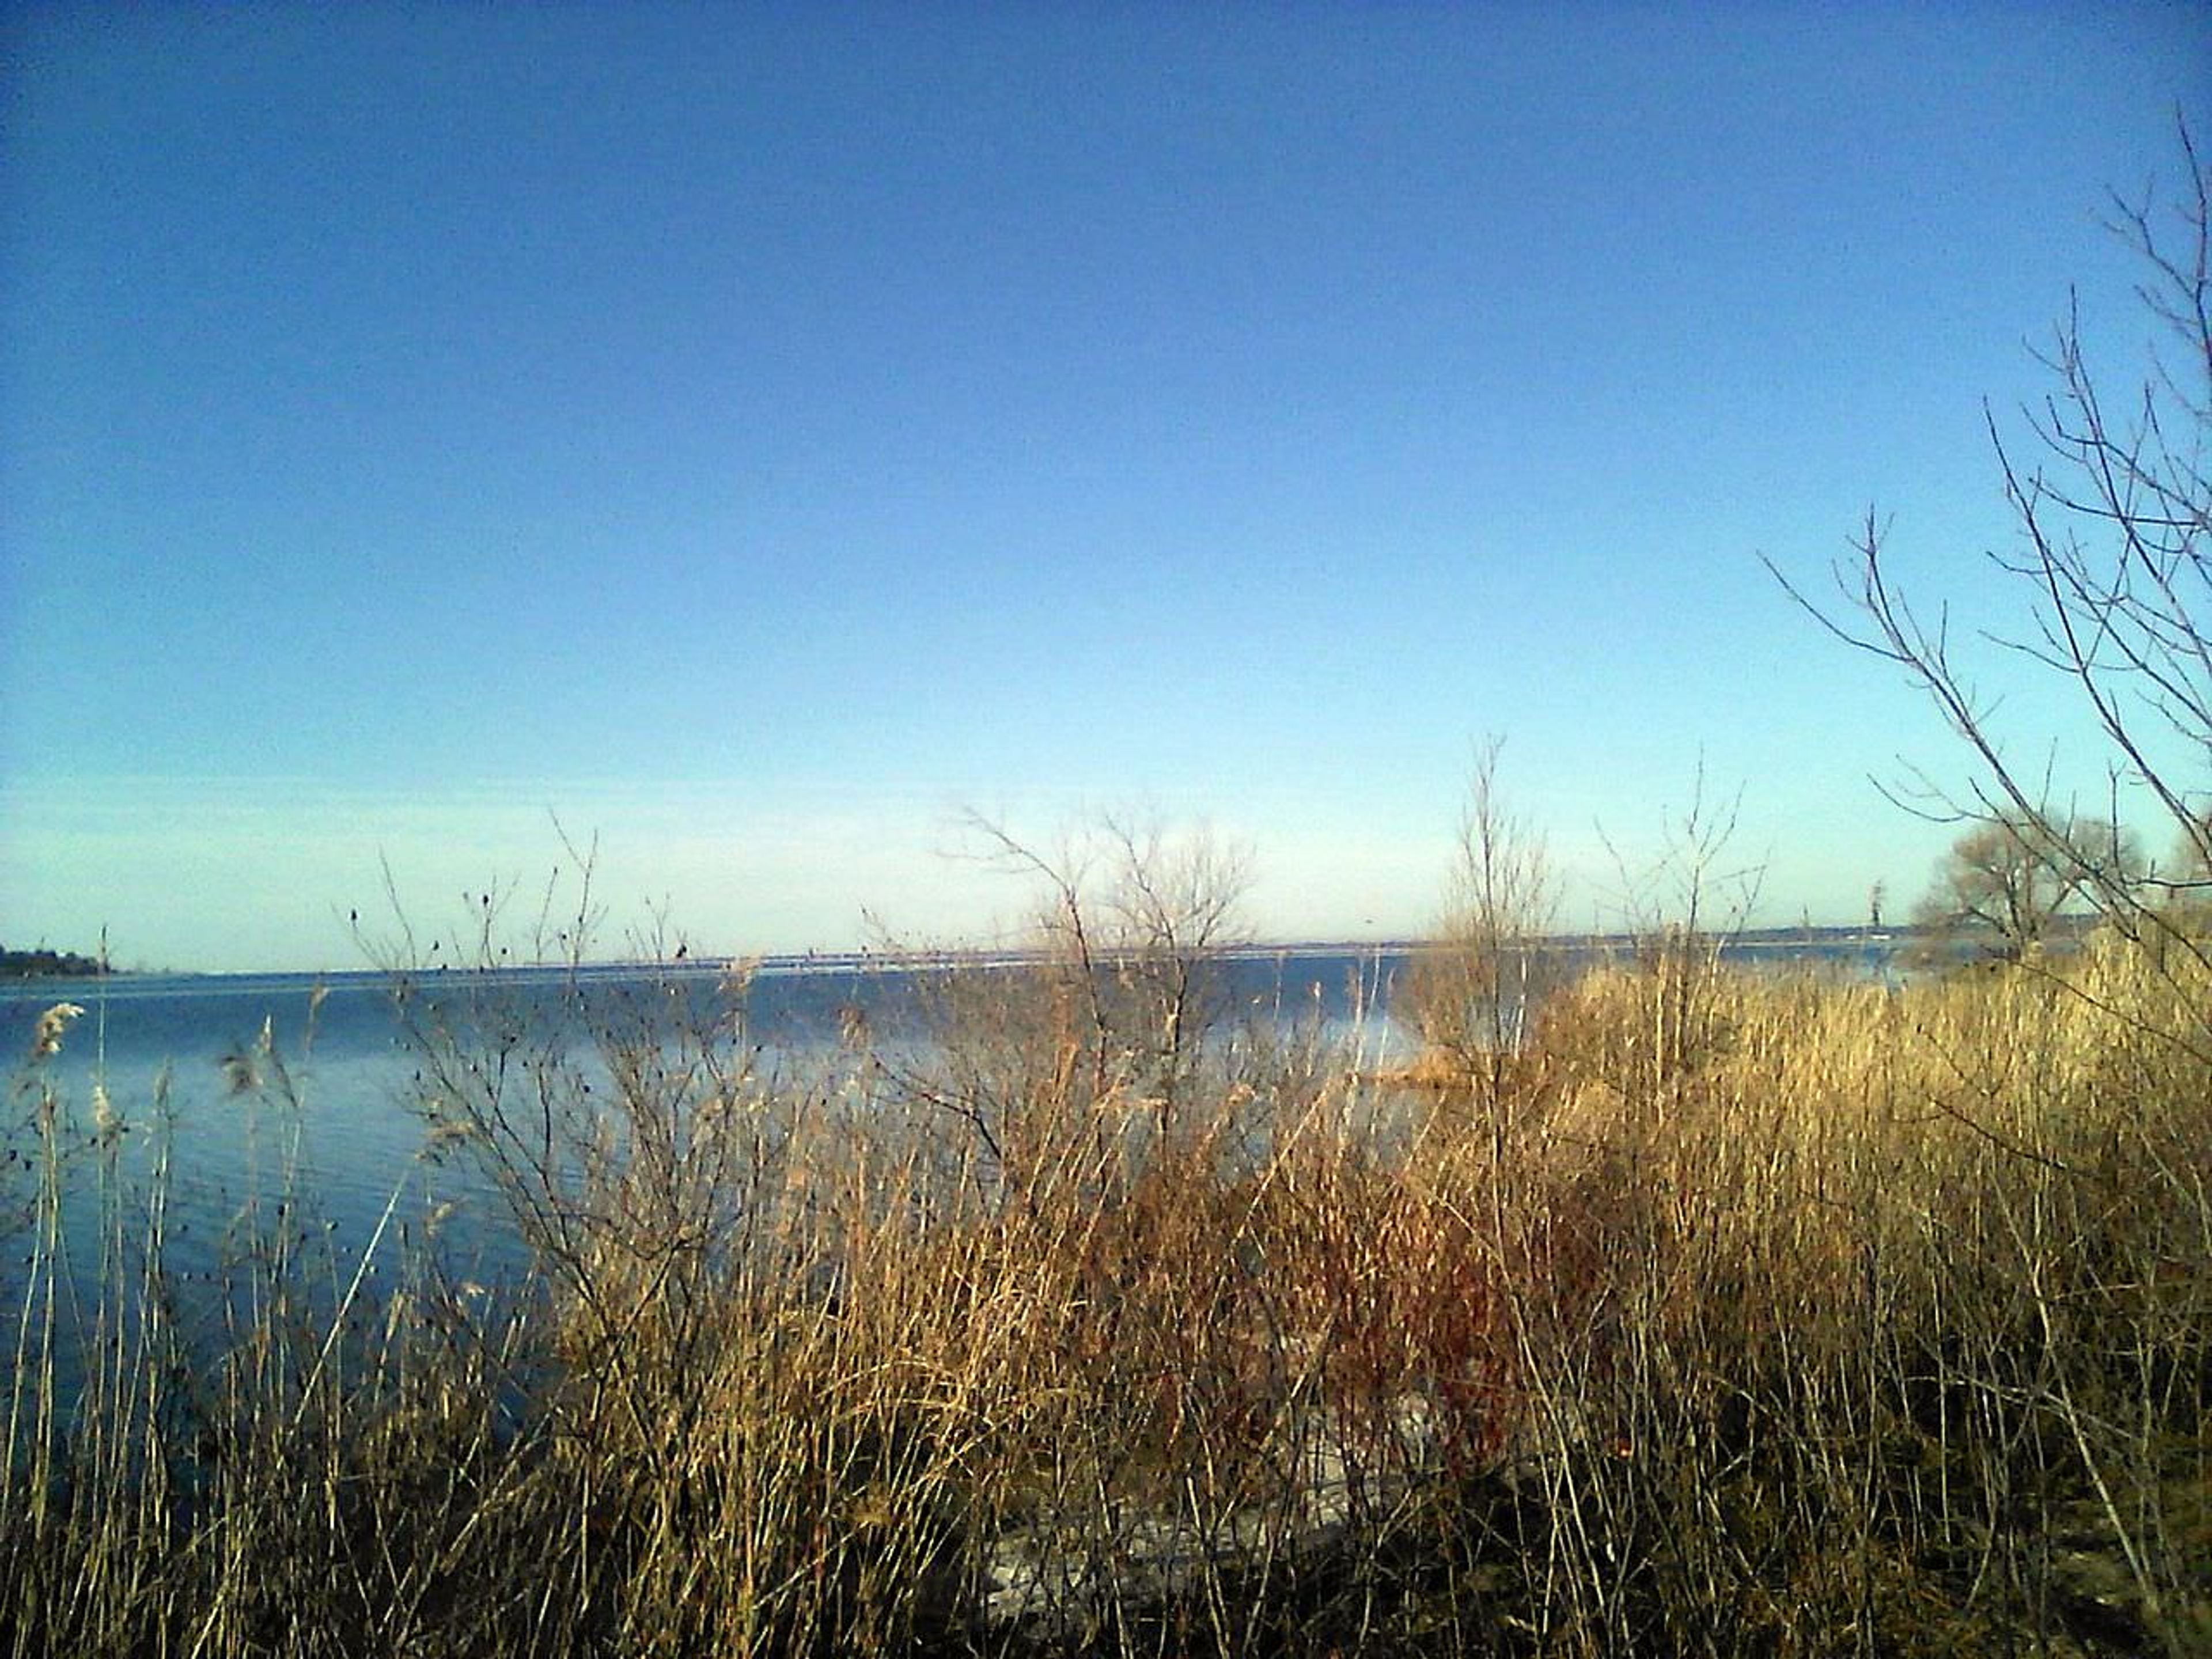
[43,963]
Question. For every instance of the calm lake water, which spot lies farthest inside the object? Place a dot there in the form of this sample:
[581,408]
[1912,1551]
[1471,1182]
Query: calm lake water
[161,1044]
[166,1048]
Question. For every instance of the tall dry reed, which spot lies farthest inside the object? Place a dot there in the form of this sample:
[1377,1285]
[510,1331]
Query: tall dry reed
[1742,1314]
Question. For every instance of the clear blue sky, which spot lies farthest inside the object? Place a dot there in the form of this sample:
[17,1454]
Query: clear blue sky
[759,435]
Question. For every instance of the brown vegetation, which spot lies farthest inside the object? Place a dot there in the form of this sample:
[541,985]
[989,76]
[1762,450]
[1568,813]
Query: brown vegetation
[1796,1316]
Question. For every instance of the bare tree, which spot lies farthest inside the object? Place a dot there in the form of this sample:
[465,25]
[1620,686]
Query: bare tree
[2113,501]
[1471,992]
[1051,1060]
[2008,879]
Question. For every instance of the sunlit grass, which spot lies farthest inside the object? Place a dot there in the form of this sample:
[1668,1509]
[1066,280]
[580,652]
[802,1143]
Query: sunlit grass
[1773,1314]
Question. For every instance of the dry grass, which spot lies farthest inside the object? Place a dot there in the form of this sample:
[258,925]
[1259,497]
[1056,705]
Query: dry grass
[1739,1315]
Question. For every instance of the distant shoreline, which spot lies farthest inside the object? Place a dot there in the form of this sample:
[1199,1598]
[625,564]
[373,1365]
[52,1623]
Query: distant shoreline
[43,964]
[51,964]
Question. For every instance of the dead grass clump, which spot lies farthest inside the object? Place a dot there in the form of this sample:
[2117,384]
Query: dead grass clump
[1779,1315]
[1873,1304]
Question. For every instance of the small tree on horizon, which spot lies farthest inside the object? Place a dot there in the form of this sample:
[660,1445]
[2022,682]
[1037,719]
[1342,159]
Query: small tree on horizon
[2010,878]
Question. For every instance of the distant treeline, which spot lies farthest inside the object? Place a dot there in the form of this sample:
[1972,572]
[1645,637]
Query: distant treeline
[43,963]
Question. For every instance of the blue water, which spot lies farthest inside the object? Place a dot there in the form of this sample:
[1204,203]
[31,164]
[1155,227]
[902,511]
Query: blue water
[306,1088]
[334,1115]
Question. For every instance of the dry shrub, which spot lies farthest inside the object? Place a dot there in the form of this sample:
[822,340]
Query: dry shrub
[1773,1314]
[1878,1290]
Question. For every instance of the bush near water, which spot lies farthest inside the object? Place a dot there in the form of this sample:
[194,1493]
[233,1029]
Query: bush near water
[1743,1313]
